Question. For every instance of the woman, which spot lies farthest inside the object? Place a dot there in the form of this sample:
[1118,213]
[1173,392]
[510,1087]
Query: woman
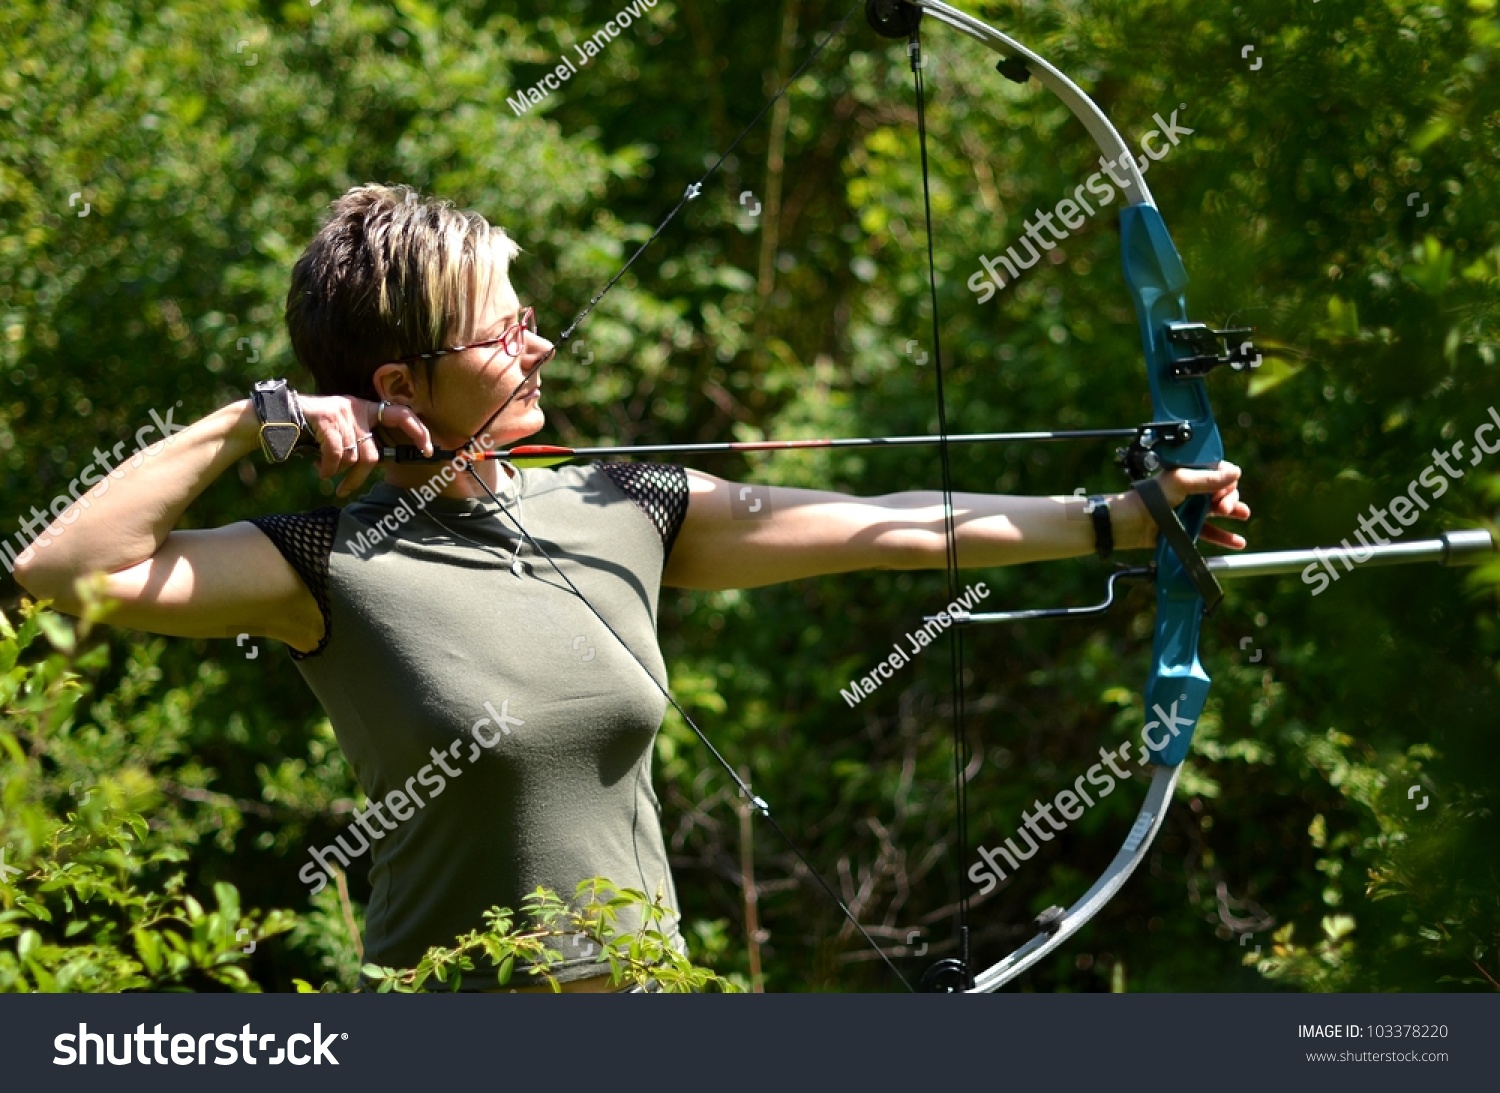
[497,765]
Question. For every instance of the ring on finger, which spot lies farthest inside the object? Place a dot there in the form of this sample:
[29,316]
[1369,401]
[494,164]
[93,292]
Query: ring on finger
[361,439]
[380,412]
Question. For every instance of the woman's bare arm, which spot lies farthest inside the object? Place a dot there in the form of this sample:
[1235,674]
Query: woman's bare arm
[185,583]
[210,583]
[727,540]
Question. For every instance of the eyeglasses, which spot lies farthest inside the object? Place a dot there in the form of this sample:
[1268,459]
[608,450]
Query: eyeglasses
[511,341]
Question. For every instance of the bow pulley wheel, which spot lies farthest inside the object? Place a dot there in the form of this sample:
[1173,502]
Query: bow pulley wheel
[949,976]
[893,18]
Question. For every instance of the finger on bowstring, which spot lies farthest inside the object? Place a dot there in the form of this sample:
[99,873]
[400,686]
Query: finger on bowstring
[404,419]
[364,459]
[329,440]
[355,438]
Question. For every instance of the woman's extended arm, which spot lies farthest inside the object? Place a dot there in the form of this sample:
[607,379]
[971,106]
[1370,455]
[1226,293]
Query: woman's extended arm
[737,536]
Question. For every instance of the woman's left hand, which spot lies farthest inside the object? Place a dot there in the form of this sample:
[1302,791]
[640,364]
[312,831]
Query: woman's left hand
[1137,530]
[1222,484]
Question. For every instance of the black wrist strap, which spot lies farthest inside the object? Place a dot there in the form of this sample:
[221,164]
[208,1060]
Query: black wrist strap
[1181,542]
[1097,510]
[283,429]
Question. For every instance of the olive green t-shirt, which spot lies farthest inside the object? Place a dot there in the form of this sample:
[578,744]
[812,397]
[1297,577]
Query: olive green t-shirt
[502,734]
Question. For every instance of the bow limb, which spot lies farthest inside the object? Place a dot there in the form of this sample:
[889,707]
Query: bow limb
[1085,109]
[1054,930]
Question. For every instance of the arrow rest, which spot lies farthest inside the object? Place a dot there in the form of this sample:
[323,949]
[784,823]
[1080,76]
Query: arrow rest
[1050,920]
[1139,459]
[893,18]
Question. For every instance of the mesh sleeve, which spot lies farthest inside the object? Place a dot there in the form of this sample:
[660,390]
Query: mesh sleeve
[305,540]
[661,491]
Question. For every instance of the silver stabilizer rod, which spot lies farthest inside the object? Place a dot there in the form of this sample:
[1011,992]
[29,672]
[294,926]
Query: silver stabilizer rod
[1452,548]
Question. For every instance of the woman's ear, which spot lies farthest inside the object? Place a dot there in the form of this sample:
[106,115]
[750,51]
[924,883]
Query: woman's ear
[396,383]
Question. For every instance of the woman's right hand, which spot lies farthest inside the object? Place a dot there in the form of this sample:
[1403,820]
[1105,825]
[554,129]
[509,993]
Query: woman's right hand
[347,430]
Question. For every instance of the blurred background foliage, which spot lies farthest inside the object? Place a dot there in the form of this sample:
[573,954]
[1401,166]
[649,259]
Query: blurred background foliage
[1339,196]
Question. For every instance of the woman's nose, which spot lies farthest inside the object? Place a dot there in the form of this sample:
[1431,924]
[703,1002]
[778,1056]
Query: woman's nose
[538,352]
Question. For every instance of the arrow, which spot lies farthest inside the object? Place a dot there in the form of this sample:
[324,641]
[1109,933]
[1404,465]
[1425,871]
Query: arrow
[549,455]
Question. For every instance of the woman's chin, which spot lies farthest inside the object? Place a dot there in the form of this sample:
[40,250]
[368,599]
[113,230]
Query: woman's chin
[512,432]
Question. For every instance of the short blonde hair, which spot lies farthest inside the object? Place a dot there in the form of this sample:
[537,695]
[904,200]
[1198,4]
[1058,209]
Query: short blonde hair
[389,275]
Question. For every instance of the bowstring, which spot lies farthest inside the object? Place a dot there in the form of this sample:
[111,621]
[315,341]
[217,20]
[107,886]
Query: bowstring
[950,529]
[696,188]
[693,190]
[758,803]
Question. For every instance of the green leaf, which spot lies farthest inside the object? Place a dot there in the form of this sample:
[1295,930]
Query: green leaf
[58,631]
[148,948]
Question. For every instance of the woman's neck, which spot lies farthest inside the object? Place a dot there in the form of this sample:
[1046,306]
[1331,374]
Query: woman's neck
[450,480]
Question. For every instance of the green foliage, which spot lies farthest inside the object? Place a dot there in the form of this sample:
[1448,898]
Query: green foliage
[641,957]
[91,897]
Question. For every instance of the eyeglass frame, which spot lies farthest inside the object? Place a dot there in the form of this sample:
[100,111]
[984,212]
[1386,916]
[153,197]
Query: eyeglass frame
[525,325]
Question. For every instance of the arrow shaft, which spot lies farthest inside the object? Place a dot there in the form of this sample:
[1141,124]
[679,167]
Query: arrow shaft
[407,454]
[858,442]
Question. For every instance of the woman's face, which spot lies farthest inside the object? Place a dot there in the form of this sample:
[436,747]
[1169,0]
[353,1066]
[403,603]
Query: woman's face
[468,388]
[480,381]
